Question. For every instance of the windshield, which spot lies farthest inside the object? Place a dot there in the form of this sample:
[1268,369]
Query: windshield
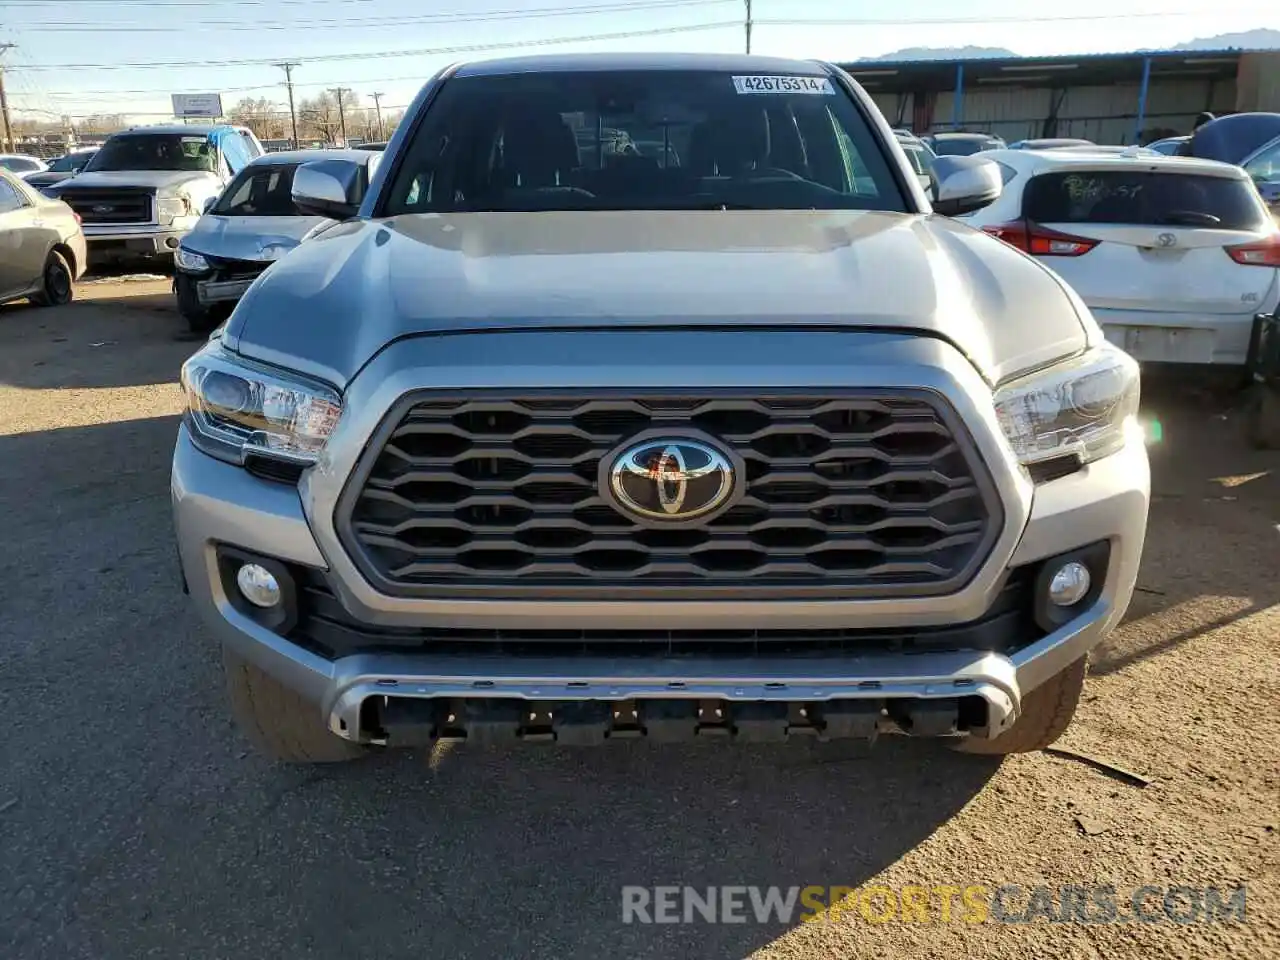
[642,140]
[155,151]
[72,161]
[19,164]
[1149,199]
[263,191]
[1265,166]
[962,146]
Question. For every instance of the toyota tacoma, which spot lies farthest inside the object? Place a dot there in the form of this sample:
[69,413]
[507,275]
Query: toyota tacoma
[741,436]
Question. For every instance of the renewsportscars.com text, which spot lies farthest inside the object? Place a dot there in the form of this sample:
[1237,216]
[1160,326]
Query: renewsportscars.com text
[972,904]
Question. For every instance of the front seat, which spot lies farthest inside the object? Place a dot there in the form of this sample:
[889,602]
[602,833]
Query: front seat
[538,150]
[729,146]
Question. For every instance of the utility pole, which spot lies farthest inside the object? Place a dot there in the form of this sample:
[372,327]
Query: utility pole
[748,26]
[342,114]
[287,67]
[8,143]
[377,105]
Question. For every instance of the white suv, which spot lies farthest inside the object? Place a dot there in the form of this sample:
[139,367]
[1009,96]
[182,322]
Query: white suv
[1174,256]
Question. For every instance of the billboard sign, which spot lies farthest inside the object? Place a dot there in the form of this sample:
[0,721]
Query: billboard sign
[204,105]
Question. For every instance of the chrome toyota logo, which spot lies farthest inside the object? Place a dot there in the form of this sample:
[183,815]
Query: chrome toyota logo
[670,479]
[1167,240]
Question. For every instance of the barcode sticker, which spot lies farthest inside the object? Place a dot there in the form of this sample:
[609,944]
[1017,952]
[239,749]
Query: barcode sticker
[816,85]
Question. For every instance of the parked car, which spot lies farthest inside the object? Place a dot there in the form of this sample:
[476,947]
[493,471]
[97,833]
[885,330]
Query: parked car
[21,165]
[248,227]
[919,155]
[1050,143]
[146,187]
[536,447]
[963,144]
[42,252]
[1169,146]
[63,168]
[1174,256]
[374,145]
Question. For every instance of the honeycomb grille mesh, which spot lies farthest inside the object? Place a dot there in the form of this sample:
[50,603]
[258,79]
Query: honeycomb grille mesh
[870,492]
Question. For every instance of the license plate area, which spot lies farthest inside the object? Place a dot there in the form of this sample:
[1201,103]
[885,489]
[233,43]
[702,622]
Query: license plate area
[1163,344]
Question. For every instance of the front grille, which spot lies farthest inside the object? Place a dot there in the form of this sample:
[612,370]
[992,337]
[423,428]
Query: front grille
[227,269]
[850,494]
[97,206]
[323,626]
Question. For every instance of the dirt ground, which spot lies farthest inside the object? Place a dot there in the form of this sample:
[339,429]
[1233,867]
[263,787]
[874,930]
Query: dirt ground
[136,823]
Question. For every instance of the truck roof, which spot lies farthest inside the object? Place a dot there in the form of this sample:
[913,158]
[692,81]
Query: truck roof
[583,62]
[190,129]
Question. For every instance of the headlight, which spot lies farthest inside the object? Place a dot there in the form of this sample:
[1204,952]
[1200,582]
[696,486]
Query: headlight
[1082,407]
[235,407]
[188,260]
[172,207]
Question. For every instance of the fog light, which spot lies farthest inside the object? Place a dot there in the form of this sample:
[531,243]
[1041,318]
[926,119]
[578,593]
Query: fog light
[260,587]
[1069,584]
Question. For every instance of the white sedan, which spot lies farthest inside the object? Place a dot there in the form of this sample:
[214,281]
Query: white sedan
[1174,256]
[20,165]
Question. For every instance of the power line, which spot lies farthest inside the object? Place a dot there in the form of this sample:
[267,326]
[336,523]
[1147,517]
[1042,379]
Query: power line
[365,55]
[348,23]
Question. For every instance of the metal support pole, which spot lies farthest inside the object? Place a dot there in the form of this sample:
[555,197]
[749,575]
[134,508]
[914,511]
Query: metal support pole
[957,105]
[1142,99]
[293,116]
[9,142]
[748,2]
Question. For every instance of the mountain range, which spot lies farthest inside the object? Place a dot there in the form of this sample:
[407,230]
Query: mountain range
[1248,40]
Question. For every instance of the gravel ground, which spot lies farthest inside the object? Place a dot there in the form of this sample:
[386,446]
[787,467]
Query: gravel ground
[135,822]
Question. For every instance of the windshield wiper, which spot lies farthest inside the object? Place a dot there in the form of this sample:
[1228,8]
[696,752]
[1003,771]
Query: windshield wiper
[1188,218]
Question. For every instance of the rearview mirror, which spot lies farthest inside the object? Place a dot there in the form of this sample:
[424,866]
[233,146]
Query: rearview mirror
[328,188]
[965,184]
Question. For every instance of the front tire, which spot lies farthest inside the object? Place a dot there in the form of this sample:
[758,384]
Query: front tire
[1046,713]
[200,319]
[277,721]
[58,285]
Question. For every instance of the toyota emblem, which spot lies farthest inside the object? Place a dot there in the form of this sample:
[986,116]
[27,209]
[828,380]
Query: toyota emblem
[670,479]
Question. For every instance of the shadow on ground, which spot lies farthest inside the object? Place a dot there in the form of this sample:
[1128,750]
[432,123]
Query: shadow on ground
[130,336]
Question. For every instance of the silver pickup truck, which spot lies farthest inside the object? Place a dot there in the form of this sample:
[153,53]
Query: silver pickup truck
[741,437]
[145,188]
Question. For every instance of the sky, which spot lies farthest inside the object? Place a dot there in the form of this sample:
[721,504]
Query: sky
[84,57]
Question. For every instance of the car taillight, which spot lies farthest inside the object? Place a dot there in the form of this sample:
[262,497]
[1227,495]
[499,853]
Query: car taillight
[1040,241]
[1263,253]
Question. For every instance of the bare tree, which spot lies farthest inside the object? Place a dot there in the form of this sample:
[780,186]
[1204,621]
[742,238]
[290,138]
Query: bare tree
[261,116]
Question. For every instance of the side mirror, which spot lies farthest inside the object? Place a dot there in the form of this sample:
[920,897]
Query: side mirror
[208,204]
[328,188]
[965,184]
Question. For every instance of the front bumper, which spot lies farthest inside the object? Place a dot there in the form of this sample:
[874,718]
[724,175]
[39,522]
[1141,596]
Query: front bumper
[143,239]
[220,504]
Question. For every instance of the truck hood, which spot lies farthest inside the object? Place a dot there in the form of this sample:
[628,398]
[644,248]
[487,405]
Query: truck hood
[249,238]
[336,300]
[164,182]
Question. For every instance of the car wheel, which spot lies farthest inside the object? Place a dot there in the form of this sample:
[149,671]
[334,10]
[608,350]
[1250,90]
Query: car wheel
[200,319]
[1046,713]
[277,721]
[58,284]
